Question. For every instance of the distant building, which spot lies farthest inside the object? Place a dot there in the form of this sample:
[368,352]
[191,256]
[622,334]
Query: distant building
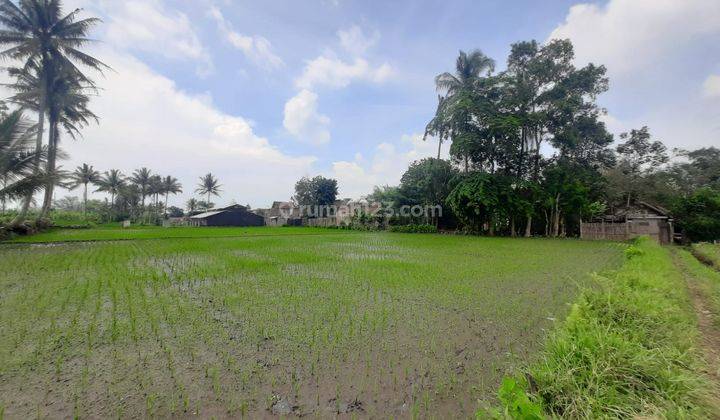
[282,213]
[235,215]
[630,221]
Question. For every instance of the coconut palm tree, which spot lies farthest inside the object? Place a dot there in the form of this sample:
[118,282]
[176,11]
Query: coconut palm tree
[155,189]
[142,178]
[469,68]
[37,33]
[170,185]
[112,182]
[209,185]
[84,175]
[17,159]
[68,108]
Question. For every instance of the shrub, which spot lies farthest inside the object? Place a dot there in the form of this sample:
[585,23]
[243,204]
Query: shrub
[699,215]
[423,228]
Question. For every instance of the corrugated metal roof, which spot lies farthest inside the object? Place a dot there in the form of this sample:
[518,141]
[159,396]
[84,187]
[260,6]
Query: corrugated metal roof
[206,214]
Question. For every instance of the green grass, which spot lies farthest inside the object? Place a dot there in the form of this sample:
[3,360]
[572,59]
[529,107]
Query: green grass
[710,253]
[113,232]
[707,277]
[627,348]
[369,324]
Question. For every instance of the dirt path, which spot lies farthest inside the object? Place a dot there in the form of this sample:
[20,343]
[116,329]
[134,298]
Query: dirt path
[709,332]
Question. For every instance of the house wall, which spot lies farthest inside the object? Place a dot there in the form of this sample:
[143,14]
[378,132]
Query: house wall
[659,229]
[234,218]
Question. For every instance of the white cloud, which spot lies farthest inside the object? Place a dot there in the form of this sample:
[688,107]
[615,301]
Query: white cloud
[626,35]
[256,48]
[150,27]
[390,160]
[653,50]
[355,41]
[302,119]
[145,120]
[711,86]
[332,72]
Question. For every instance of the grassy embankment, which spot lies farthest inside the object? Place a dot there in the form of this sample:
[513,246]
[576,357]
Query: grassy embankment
[708,253]
[629,348]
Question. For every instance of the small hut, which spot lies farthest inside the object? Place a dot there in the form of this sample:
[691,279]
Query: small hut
[629,221]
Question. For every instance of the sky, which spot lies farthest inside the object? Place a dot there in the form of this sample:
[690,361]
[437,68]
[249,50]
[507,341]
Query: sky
[263,93]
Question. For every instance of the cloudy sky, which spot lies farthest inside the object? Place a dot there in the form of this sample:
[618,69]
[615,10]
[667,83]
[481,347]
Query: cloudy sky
[262,93]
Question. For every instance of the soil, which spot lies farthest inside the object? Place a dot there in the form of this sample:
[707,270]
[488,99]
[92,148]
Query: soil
[709,341]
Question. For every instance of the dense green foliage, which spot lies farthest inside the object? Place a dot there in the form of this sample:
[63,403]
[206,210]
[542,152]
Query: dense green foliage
[413,229]
[498,181]
[699,214]
[317,191]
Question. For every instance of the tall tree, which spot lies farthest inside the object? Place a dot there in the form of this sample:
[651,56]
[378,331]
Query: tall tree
[209,185]
[170,185]
[638,157]
[17,159]
[454,89]
[155,189]
[112,182]
[192,205]
[142,178]
[67,108]
[84,175]
[317,191]
[37,33]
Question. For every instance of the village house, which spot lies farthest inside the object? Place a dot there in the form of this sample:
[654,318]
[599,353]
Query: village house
[281,213]
[630,221]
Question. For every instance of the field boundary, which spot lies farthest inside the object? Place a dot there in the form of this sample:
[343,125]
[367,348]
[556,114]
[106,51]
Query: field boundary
[72,241]
[706,311]
[704,258]
[630,347]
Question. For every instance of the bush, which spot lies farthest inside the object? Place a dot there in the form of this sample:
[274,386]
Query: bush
[698,216]
[423,228]
[74,219]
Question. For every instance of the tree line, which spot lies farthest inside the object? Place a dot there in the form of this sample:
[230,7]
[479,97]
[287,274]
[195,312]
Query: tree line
[530,154]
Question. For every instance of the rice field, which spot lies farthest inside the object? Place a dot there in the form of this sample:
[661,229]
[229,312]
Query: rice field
[115,233]
[278,322]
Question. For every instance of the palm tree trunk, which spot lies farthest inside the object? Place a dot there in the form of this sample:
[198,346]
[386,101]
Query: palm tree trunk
[85,201]
[166,200]
[50,169]
[439,147]
[4,200]
[22,212]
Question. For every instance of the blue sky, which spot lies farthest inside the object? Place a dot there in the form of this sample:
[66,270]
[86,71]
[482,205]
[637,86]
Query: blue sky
[262,93]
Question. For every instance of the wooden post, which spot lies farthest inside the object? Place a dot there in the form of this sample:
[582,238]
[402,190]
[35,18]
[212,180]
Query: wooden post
[627,229]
